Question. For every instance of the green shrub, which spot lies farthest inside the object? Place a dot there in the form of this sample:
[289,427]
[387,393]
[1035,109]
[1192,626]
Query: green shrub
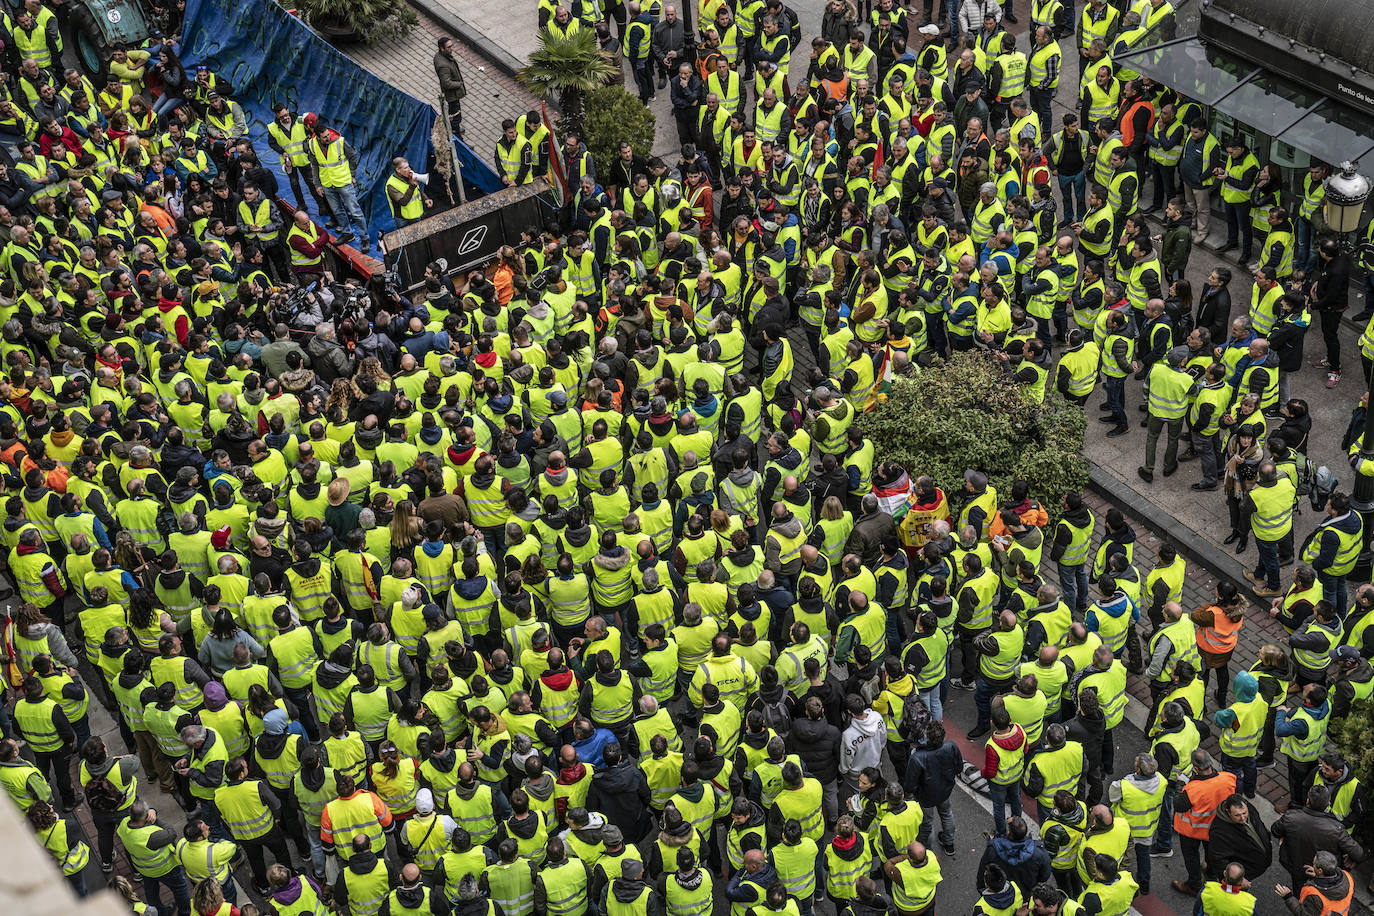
[614,115]
[1351,736]
[965,413]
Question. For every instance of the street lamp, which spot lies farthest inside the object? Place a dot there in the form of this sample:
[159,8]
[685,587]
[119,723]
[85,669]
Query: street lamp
[1346,193]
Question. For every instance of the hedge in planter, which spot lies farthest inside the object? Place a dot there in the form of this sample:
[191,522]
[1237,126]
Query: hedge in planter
[965,413]
[614,115]
[1351,736]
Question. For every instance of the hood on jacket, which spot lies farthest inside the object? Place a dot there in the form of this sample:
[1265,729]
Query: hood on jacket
[626,891]
[1245,686]
[470,588]
[541,788]
[332,675]
[789,527]
[612,560]
[1013,852]
[558,680]
[1000,900]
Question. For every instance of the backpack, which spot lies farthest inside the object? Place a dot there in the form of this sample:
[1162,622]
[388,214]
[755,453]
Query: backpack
[1306,472]
[777,716]
[915,718]
[102,795]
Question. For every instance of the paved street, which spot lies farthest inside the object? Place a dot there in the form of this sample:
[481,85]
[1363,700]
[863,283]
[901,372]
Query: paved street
[407,63]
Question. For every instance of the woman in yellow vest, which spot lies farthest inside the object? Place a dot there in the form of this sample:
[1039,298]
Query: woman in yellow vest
[62,842]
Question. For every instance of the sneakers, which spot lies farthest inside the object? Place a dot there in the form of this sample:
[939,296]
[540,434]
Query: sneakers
[1322,363]
[107,867]
[1333,378]
[947,846]
[1162,853]
[961,684]
[1266,764]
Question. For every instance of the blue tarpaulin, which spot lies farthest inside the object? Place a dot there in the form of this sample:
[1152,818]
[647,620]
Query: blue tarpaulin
[269,56]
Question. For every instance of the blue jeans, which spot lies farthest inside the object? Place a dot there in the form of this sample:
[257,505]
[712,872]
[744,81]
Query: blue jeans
[1074,188]
[1073,585]
[931,698]
[312,836]
[983,693]
[1245,771]
[1164,833]
[946,824]
[1002,797]
[1333,590]
[1142,861]
[1116,399]
[1268,561]
[174,881]
[1305,253]
[1238,228]
[166,104]
[343,201]
[952,13]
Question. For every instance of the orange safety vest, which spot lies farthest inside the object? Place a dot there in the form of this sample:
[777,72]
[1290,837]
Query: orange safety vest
[1221,636]
[1128,125]
[1205,796]
[1338,907]
[836,89]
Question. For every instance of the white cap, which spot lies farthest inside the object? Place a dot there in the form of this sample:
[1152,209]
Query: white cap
[931,29]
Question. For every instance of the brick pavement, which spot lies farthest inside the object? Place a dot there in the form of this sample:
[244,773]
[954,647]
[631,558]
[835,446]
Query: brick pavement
[407,64]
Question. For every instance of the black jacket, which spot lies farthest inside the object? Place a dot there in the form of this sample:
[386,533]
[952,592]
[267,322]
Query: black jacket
[1286,340]
[931,772]
[1330,290]
[1305,833]
[1214,313]
[1248,844]
[818,746]
[1026,863]
[622,795]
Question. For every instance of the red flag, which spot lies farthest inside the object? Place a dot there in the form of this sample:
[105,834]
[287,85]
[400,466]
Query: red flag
[555,162]
[877,160]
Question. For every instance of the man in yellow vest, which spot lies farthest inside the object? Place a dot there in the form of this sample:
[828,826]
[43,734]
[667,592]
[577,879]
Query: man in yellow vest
[1138,798]
[1238,173]
[1241,725]
[1302,731]
[1170,392]
[365,883]
[1271,505]
[405,189]
[259,220]
[250,809]
[336,161]
[152,852]
[49,734]
[286,134]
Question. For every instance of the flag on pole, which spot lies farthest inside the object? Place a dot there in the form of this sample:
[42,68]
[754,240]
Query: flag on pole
[560,180]
[877,160]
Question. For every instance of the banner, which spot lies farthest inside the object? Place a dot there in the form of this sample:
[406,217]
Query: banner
[269,56]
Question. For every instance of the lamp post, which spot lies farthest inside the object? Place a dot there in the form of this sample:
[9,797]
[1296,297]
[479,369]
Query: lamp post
[1346,193]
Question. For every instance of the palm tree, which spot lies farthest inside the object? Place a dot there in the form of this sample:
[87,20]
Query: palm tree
[568,68]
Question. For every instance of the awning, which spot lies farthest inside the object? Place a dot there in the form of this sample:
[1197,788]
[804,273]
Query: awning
[1291,113]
